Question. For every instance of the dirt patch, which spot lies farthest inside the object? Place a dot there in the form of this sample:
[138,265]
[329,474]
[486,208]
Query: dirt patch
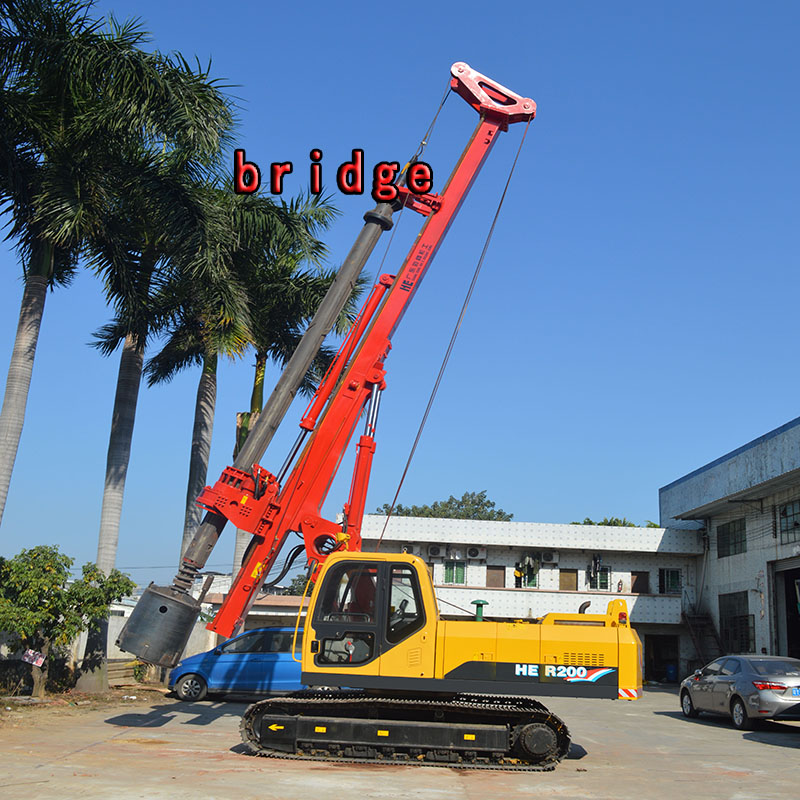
[16,710]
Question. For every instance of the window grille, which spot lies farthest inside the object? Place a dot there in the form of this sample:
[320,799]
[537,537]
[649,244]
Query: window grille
[669,581]
[601,579]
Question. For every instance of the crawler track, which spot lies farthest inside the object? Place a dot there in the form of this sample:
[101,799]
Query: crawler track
[526,721]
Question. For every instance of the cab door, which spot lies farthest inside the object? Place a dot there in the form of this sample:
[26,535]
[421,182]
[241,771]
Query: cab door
[372,619]
[348,622]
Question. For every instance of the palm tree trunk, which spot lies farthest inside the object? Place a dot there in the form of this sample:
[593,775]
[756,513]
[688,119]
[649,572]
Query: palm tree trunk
[94,676]
[248,420]
[201,446]
[257,397]
[119,451]
[18,382]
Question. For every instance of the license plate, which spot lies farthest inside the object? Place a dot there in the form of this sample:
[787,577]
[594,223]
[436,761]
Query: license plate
[795,691]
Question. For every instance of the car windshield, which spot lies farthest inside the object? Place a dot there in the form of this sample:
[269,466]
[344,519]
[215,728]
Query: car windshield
[765,667]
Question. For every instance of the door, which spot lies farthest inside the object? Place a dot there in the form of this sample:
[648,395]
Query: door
[496,577]
[374,618]
[723,684]
[348,618]
[640,583]
[272,668]
[791,582]
[661,657]
[234,667]
[568,580]
[702,688]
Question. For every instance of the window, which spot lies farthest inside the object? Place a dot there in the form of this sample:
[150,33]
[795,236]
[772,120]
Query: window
[455,572]
[731,538]
[788,668]
[736,626]
[713,668]
[731,667]
[669,581]
[789,516]
[353,647]
[526,572]
[256,642]
[600,580]
[281,642]
[406,614]
[349,594]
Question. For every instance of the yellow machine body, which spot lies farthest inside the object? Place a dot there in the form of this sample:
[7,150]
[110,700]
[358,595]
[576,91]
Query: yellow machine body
[374,622]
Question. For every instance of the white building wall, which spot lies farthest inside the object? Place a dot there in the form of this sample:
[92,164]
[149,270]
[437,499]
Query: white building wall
[623,550]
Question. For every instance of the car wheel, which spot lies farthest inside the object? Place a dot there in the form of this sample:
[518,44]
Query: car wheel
[191,687]
[739,716]
[687,706]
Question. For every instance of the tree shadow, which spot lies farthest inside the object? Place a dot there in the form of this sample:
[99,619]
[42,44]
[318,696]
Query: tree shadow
[203,713]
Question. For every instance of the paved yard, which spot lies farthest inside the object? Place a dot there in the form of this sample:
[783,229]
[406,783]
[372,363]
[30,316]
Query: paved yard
[166,749]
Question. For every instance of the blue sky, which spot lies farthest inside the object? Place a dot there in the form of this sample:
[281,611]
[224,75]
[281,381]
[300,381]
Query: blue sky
[634,317]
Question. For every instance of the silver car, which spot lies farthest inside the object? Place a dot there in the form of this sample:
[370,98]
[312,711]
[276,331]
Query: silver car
[746,688]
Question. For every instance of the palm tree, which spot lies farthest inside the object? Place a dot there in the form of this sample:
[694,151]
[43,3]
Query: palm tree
[90,125]
[166,231]
[72,96]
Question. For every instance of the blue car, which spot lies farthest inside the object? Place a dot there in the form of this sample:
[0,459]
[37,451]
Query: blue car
[255,661]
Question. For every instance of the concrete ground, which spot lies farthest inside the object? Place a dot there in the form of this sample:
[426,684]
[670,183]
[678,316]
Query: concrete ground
[162,748]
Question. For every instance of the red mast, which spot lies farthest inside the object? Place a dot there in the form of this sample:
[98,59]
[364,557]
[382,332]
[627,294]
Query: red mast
[256,501]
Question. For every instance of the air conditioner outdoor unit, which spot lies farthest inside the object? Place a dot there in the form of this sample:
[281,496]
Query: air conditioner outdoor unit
[435,550]
[550,557]
[413,549]
[476,553]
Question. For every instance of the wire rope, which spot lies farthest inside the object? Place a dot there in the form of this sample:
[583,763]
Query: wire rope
[454,335]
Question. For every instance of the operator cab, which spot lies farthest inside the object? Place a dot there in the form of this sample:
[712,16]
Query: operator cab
[364,609]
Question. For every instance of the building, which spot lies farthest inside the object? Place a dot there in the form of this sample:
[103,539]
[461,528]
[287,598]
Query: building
[722,574]
[746,508]
[526,569]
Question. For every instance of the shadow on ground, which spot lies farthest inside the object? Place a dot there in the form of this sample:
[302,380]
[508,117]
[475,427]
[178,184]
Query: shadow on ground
[576,752]
[780,734]
[184,713]
[661,688]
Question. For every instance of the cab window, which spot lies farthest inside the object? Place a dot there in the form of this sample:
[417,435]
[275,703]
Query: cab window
[349,594]
[406,614]
[352,647]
